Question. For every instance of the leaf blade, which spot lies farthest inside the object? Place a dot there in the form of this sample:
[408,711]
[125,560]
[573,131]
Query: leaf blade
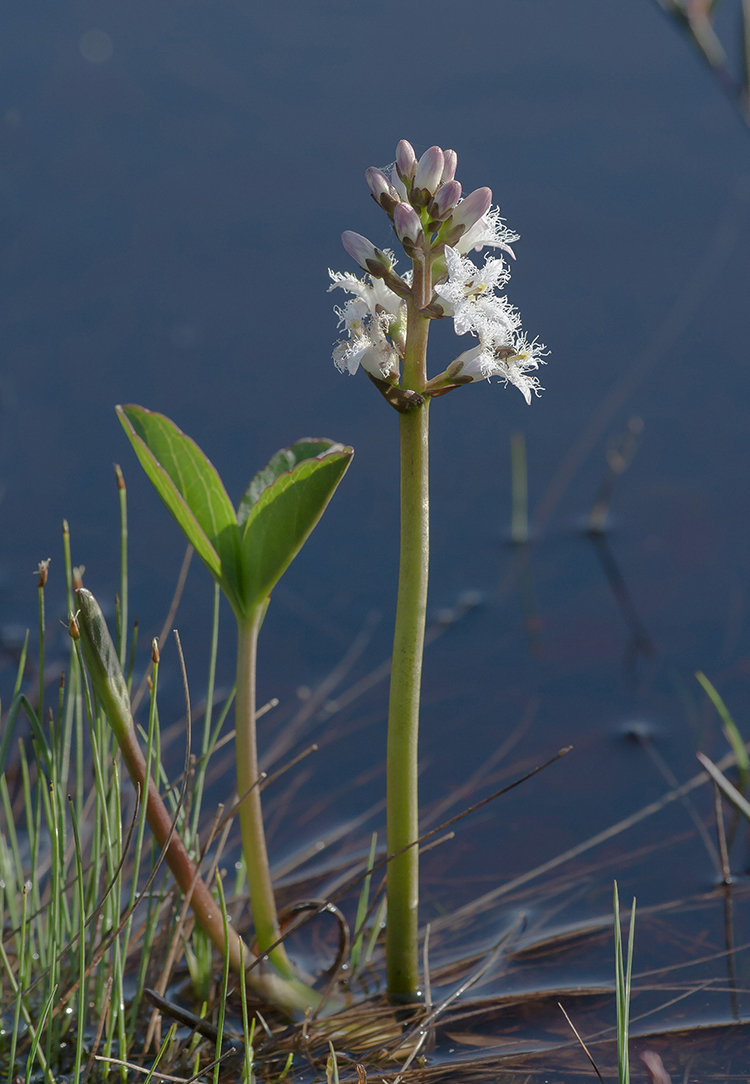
[208,526]
[731,732]
[286,459]
[282,519]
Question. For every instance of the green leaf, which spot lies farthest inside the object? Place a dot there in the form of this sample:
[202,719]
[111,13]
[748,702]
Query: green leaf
[284,460]
[283,517]
[190,487]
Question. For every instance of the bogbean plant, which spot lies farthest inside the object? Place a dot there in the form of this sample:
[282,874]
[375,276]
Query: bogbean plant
[387,323]
[246,550]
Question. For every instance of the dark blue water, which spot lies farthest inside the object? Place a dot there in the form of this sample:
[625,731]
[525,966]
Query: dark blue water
[173,190]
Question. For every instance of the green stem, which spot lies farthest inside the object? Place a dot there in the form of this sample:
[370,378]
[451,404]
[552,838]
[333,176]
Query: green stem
[203,765]
[82,991]
[402,962]
[122,631]
[42,630]
[262,898]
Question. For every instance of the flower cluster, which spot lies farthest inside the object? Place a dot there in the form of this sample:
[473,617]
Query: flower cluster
[372,319]
[437,229]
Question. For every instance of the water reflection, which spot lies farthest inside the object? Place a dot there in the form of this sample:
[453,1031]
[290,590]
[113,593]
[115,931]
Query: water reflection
[640,644]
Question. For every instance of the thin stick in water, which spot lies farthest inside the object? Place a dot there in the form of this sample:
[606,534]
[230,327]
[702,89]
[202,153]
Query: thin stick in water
[585,1049]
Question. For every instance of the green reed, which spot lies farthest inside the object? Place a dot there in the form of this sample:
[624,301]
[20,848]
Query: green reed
[82,902]
[623,971]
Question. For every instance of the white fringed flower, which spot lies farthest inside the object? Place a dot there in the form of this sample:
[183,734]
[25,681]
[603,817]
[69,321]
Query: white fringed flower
[468,295]
[367,318]
[511,358]
[489,232]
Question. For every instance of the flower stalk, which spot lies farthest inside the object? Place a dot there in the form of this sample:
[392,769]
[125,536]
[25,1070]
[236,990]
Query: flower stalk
[406,668]
[436,229]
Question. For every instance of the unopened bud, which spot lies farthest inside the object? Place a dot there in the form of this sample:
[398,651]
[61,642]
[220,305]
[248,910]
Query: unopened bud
[407,225]
[466,369]
[406,160]
[365,254]
[155,656]
[470,210]
[119,476]
[446,198]
[449,167]
[430,170]
[398,185]
[382,190]
[42,572]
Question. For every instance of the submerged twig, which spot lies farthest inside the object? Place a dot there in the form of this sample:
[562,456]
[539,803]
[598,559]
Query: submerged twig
[585,1049]
[593,841]
[421,1028]
[722,836]
[434,831]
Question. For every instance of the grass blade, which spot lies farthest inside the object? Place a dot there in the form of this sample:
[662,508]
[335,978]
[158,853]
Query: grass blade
[623,971]
[224,975]
[364,901]
[35,1052]
[731,732]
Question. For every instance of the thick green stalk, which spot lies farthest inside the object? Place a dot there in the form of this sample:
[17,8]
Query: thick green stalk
[402,960]
[262,898]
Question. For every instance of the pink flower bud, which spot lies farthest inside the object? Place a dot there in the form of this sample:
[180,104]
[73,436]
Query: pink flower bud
[381,188]
[407,225]
[472,208]
[446,198]
[449,169]
[377,182]
[398,184]
[364,253]
[406,160]
[430,170]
